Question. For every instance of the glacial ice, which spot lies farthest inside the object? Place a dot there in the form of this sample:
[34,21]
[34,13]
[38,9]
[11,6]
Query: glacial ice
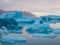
[40,35]
[39,28]
[13,39]
[56,31]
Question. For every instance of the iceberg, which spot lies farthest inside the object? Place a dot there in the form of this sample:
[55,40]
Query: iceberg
[39,28]
[4,31]
[26,21]
[57,19]
[17,15]
[2,23]
[47,19]
[17,30]
[13,39]
[42,19]
[11,23]
[40,35]
[56,31]
[51,19]
[6,15]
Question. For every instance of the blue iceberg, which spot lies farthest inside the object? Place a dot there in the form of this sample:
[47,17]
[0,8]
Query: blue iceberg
[11,23]
[16,17]
[4,31]
[39,28]
[6,15]
[22,19]
[56,31]
[2,23]
[51,19]
[47,19]
[26,21]
[17,30]
[57,19]
[13,39]
[42,19]
[40,35]
[15,14]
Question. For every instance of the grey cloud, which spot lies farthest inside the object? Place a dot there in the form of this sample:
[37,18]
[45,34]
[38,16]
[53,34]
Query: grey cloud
[31,5]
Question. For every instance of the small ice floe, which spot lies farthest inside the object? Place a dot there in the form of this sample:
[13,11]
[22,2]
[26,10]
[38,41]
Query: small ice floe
[40,35]
[56,31]
[4,31]
[17,30]
[39,28]
[13,39]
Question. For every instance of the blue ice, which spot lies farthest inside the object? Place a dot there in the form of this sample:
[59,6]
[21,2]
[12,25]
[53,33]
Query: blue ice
[39,28]
[57,19]
[13,39]
[51,19]
[40,35]
[56,31]
[42,19]
[2,23]
[17,15]
[4,31]
[11,23]
[17,30]
[6,15]
[26,21]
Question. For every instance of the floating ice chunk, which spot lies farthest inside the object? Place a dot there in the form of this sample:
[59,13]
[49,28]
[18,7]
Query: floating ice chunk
[17,15]
[42,19]
[4,31]
[11,23]
[26,21]
[13,39]
[56,31]
[39,28]
[47,19]
[3,15]
[6,15]
[57,19]
[17,30]
[2,23]
[40,35]
[43,25]
[51,19]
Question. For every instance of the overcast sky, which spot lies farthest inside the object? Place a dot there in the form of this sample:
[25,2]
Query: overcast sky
[35,6]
